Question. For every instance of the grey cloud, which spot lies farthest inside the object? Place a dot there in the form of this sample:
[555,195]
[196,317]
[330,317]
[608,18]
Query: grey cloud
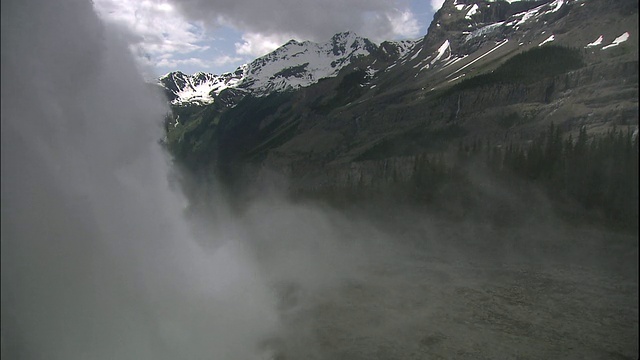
[308,19]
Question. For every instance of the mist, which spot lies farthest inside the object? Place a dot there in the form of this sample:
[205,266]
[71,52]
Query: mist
[97,259]
[104,257]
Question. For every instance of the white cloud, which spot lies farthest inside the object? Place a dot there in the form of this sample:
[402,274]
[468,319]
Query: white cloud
[173,63]
[155,28]
[436,4]
[306,19]
[404,24]
[257,44]
[172,33]
[379,26]
[226,59]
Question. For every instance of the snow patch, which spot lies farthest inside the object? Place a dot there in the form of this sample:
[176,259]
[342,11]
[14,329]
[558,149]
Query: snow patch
[453,61]
[549,39]
[557,5]
[480,57]
[441,51]
[483,30]
[199,87]
[370,72]
[597,42]
[521,18]
[472,11]
[457,77]
[619,40]
[415,55]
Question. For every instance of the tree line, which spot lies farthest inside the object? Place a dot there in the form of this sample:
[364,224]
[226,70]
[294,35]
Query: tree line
[599,172]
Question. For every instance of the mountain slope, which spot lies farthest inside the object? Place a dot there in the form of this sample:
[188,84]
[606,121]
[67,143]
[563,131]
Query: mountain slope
[493,72]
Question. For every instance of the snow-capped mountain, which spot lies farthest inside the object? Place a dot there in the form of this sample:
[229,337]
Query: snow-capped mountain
[199,87]
[470,37]
[293,65]
[463,35]
[499,70]
[465,31]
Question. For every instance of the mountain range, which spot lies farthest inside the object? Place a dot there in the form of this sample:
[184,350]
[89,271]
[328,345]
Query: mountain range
[350,113]
[289,67]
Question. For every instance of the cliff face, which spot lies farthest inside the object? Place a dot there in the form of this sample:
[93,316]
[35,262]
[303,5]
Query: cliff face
[595,96]
[381,144]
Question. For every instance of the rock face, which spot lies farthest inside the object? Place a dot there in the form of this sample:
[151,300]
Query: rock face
[495,71]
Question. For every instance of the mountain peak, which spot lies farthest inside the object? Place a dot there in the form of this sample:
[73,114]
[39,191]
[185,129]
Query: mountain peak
[343,35]
[294,64]
[292,42]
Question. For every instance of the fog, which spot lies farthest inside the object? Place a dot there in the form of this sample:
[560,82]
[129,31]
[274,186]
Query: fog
[97,259]
[103,257]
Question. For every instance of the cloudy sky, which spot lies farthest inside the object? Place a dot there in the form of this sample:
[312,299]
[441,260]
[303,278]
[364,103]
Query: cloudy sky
[219,35]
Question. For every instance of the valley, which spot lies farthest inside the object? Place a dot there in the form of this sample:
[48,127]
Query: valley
[446,303]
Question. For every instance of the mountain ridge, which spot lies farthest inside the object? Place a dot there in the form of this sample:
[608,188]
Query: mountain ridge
[459,29]
[293,65]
